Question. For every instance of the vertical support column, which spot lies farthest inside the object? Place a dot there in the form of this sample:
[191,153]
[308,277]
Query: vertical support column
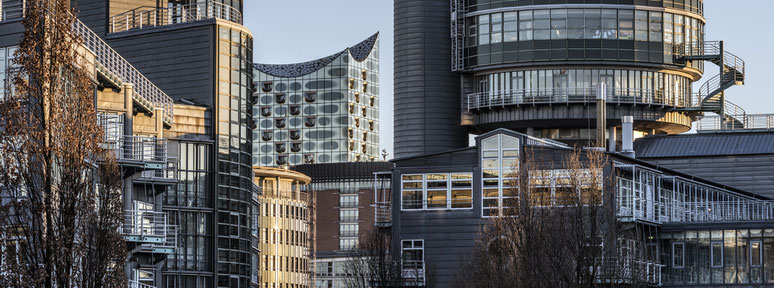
[158,115]
[601,114]
[723,123]
[128,90]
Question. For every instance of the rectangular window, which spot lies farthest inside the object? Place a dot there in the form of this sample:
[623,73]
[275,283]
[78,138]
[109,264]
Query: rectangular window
[559,24]
[412,189]
[348,230]
[668,28]
[413,260]
[575,23]
[497,28]
[626,24]
[655,26]
[716,251]
[609,24]
[678,255]
[542,24]
[510,26]
[438,191]
[641,26]
[756,256]
[348,201]
[525,25]
[593,23]
[483,29]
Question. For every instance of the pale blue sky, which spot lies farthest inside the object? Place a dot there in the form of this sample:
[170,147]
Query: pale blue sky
[293,31]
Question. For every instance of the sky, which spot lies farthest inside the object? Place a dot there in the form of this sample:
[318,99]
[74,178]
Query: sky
[292,31]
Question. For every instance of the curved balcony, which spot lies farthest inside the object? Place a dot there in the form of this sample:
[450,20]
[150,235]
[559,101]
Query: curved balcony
[658,97]
[146,17]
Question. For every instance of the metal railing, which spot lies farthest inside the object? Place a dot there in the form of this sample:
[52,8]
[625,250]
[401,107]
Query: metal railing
[139,148]
[627,270]
[697,48]
[144,17]
[750,122]
[147,94]
[382,214]
[146,223]
[577,95]
[413,272]
[137,284]
[169,173]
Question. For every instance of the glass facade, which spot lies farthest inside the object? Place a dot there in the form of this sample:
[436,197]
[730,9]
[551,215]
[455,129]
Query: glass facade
[695,6]
[328,115]
[712,257]
[559,24]
[234,146]
[580,85]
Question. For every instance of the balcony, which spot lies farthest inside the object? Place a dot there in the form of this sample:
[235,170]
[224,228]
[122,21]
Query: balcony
[494,99]
[736,123]
[627,270]
[146,17]
[413,273]
[149,232]
[140,151]
[137,284]
[167,175]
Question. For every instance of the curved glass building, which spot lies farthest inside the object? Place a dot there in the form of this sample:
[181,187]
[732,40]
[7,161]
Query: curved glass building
[539,66]
[321,111]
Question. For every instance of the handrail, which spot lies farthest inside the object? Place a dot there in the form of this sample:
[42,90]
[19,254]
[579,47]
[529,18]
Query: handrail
[577,95]
[142,17]
[748,122]
[119,66]
[137,284]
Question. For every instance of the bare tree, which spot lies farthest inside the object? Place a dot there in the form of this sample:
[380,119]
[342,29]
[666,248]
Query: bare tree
[371,264]
[61,190]
[562,231]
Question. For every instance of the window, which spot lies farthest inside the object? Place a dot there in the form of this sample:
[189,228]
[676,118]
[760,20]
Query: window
[756,255]
[413,260]
[609,24]
[641,25]
[626,25]
[437,191]
[6,63]
[510,26]
[348,215]
[348,201]
[542,24]
[593,24]
[497,28]
[499,168]
[347,244]
[655,26]
[525,25]
[678,255]
[716,251]
[348,230]
[668,28]
[437,186]
[483,29]
[412,187]
[558,24]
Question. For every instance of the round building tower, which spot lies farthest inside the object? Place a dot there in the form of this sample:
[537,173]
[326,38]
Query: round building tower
[539,66]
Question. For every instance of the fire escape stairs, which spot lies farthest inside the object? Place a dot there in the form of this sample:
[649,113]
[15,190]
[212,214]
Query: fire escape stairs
[711,95]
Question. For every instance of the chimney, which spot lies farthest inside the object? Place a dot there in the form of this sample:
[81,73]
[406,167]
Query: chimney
[601,114]
[627,138]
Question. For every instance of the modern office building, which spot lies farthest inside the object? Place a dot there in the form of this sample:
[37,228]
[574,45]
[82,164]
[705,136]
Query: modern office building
[191,180]
[542,76]
[284,229]
[346,196]
[538,67]
[689,231]
[321,111]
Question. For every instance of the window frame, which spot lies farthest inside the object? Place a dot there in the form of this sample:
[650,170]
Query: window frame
[712,254]
[682,255]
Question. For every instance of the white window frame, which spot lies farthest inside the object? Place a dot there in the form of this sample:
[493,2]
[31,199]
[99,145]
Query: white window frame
[682,254]
[421,190]
[449,189]
[501,178]
[413,248]
[712,254]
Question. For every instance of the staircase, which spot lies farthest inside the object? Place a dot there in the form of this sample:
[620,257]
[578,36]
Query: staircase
[711,95]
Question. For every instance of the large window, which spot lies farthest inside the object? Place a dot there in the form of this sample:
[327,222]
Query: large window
[413,260]
[678,254]
[556,24]
[437,191]
[499,174]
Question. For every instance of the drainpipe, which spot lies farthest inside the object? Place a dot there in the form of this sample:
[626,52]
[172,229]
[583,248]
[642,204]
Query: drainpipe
[627,138]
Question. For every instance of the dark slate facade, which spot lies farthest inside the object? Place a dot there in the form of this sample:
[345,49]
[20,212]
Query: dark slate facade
[742,160]
[427,93]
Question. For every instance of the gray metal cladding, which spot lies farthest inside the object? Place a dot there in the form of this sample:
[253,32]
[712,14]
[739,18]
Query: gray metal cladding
[93,13]
[427,92]
[692,145]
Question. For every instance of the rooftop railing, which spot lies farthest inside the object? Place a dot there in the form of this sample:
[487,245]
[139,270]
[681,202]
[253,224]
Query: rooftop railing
[145,17]
[746,122]
[660,97]
[146,92]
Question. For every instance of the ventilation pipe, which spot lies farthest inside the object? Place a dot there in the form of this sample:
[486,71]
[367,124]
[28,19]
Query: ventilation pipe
[627,138]
[611,134]
[601,114]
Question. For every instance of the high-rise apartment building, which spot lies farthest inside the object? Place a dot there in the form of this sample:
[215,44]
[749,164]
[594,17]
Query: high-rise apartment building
[321,111]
